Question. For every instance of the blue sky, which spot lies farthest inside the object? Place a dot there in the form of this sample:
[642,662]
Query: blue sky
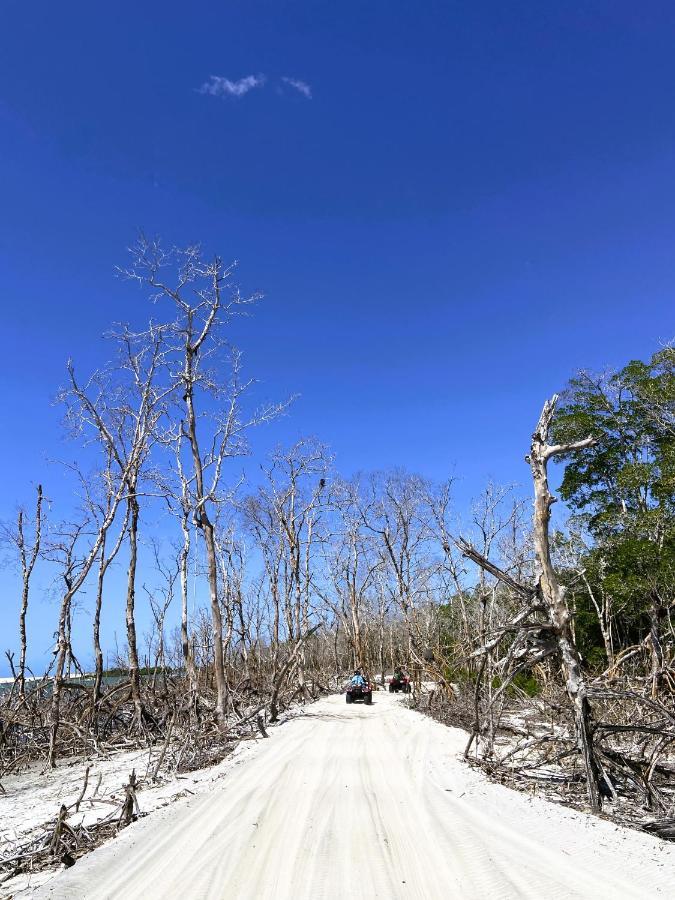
[455,207]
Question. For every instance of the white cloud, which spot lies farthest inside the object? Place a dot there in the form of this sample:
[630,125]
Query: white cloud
[217,86]
[300,86]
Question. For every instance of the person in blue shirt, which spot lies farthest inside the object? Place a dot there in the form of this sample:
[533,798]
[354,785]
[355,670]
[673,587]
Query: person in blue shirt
[357,679]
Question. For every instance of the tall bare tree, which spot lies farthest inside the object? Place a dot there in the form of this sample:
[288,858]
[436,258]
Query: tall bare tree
[213,423]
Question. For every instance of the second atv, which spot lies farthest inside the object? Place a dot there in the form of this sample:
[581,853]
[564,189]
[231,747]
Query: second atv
[399,682]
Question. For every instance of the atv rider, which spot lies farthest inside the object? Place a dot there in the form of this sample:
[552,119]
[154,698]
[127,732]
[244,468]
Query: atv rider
[358,680]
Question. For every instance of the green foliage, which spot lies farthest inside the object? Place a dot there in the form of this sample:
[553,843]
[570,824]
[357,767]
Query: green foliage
[460,675]
[466,678]
[623,492]
[144,672]
[631,469]
[527,683]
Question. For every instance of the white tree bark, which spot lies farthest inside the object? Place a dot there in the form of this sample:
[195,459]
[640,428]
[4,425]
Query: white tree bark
[553,593]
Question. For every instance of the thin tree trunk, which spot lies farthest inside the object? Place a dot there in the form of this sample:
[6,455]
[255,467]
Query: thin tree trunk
[27,566]
[104,563]
[380,650]
[184,634]
[205,525]
[655,612]
[216,619]
[604,619]
[62,652]
[299,617]
[134,669]
[98,651]
[275,626]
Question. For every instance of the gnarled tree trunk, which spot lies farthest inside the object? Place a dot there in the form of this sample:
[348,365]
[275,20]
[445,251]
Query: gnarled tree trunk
[553,593]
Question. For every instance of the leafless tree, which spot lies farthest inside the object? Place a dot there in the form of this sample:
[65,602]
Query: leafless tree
[160,598]
[205,299]
[73,568]
[28,551]
[285,515]
[393,507]
[121,406]
[352,563]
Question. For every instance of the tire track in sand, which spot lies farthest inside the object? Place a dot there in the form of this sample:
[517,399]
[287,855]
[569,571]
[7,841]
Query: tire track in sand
[349,802]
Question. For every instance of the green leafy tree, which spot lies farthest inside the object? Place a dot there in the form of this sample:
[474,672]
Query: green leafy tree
[622,490]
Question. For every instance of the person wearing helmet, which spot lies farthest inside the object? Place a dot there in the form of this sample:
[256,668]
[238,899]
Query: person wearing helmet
[357,679]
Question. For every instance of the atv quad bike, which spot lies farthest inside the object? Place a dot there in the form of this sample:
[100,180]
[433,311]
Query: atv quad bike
[399,683]
[356,692]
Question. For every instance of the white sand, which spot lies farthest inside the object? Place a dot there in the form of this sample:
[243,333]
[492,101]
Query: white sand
[31,801]
[366,802]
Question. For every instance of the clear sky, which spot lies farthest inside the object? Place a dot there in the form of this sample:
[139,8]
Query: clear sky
[450,207]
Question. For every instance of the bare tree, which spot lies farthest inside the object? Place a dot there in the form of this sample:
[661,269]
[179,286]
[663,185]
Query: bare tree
[352,563]
[122,406]
[569,554]
[160,599]
[284,516]
[74,568]
[28,553]
[205,299]
[394,508]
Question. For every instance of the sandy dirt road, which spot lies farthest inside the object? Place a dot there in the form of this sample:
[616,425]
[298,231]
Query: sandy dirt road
[367,802]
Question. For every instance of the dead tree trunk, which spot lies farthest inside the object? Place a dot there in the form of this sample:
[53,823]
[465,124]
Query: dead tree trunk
[134,668]
[66,550]
[553,593]
[104,562]
[203,522]
[57,687]
[184,633]
[655,614]
[27,565]
[98,650]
